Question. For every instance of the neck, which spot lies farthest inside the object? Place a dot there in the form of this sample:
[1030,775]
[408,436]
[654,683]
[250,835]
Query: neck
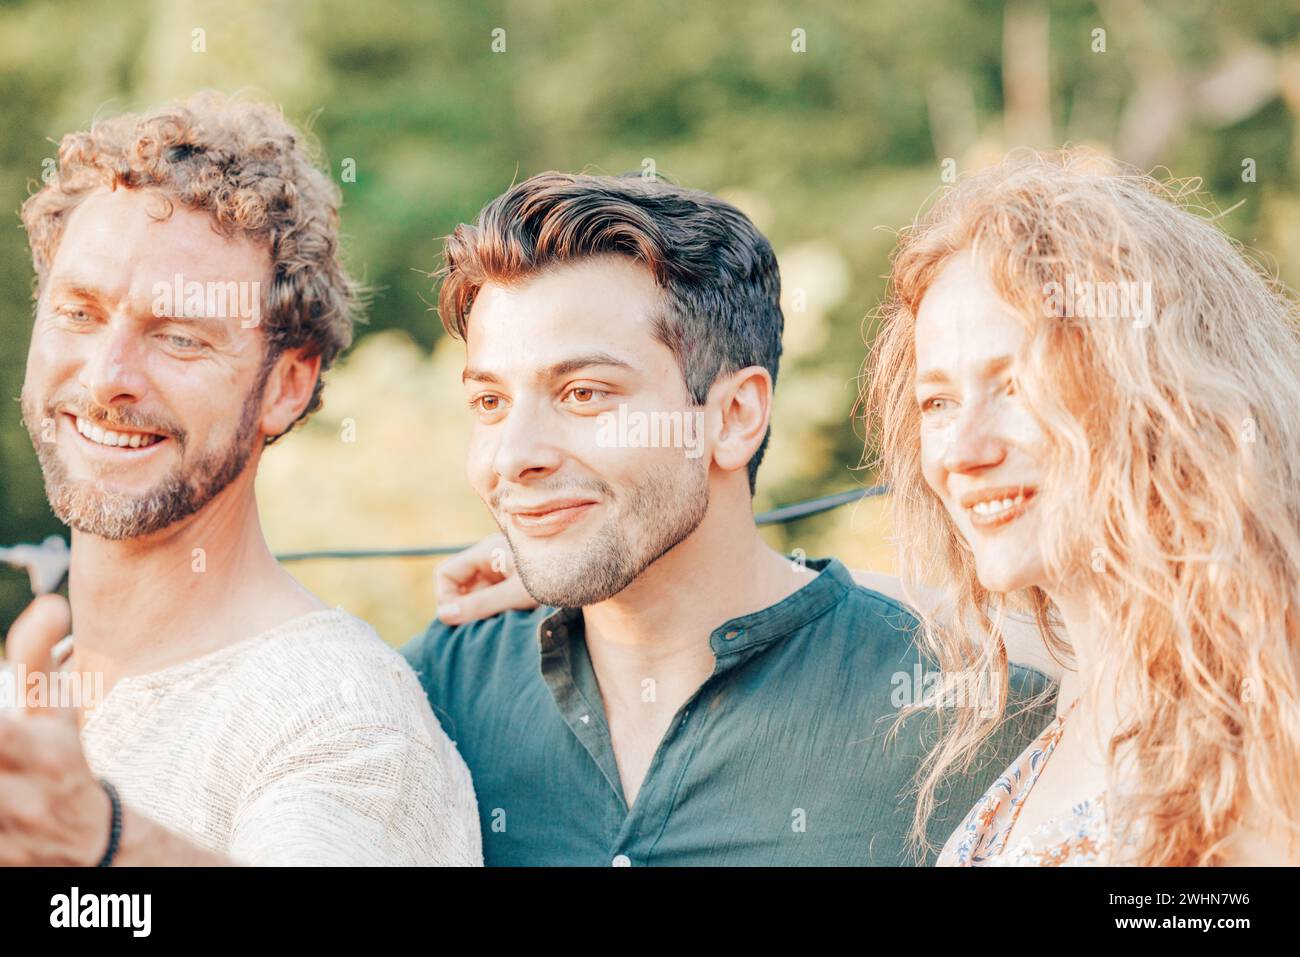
[1092,679]
[207,581]
[659,626]
[1076,616]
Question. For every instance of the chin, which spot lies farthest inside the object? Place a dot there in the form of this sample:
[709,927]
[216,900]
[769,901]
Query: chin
[1004,579]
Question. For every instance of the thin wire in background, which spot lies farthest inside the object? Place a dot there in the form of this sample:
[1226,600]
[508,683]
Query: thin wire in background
[47,564]
[777,516]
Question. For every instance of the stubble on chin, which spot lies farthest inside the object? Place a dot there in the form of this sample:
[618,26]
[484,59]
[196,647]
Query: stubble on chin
[89,507]
[661,512]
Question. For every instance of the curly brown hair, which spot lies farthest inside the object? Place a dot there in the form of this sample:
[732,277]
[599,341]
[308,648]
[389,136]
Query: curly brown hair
[257,177]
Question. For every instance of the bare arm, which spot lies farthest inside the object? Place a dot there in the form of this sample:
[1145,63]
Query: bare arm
[53,810]
[481,581]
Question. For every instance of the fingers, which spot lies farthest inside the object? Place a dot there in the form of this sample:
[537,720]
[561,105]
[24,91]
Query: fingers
[489,559]
[27,746]
[480,565]
[29,647]
[52,809]
[486,601]
[18,744]
[41,626]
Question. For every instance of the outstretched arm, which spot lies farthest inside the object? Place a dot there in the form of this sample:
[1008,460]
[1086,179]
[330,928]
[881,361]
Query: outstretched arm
[53,810]
[481,582]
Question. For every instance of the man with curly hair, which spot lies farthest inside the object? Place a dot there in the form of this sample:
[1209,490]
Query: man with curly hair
[189,296]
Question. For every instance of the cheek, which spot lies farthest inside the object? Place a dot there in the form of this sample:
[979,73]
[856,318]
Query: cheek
[209,404]
[599,444]
[48,358]
[478,457]
[934,445]
[633,465]
[1023,431]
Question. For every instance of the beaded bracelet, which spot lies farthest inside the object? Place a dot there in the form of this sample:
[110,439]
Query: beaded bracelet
[115,826]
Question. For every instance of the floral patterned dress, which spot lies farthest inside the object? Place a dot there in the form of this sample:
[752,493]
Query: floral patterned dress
[1078,838]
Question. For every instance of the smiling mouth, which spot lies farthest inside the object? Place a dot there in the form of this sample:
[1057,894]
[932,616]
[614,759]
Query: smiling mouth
[115,438]
[549,519]
[993,508]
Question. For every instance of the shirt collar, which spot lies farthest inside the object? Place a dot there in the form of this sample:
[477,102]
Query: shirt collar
[734,641]
[739,639]
[567,671]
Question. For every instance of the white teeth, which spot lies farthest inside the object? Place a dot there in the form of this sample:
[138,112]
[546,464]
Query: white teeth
[997,506]
[121,440]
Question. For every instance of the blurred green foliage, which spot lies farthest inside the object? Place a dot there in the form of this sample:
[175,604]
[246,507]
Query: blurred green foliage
[829,150]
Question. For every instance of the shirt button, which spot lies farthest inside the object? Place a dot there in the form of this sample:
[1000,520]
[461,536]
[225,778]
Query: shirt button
[622,860]
[730,635]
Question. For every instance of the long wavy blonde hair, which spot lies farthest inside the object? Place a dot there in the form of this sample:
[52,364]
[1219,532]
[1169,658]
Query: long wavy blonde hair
[1173,481]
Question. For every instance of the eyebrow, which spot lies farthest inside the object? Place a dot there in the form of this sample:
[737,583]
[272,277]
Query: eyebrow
[212,322]
[990,367]
[73,289]
[561,368]
[76,288]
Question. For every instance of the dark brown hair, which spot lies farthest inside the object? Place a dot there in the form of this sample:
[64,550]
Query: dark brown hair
[718,273]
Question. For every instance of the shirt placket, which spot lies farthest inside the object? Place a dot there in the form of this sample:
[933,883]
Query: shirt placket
[569,673]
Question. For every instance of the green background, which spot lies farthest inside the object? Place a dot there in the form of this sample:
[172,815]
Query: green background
[830,150]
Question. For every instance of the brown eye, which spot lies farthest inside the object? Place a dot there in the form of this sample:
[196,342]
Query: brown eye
[489,403]
[584,395]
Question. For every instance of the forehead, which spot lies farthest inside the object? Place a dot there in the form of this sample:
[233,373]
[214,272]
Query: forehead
[115,241]
[605,303]
[962,322]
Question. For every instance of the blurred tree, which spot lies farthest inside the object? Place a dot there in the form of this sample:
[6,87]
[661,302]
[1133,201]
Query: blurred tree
[825,121]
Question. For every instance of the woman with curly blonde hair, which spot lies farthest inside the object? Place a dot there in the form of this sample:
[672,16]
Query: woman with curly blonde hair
[1086,398]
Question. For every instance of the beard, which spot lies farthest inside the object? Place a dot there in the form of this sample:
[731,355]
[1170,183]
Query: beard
[88,506]
[661,511]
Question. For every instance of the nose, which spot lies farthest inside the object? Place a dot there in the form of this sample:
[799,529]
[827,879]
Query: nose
[974,443]
[526,448]
[114,370]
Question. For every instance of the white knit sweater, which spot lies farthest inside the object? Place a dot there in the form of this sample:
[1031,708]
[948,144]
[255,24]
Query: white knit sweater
[310,744]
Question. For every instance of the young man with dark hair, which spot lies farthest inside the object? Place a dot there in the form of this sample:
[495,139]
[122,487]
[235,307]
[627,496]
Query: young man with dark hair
[687,695]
